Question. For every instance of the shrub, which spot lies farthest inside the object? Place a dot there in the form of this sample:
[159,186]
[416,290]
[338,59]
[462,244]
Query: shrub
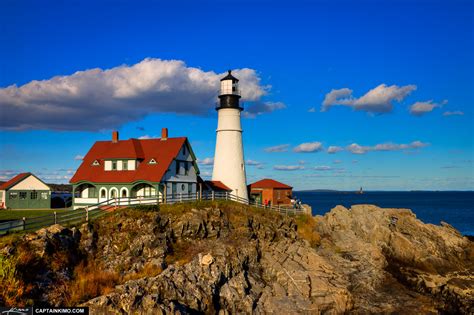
[147,208]
[90,281]
[307,229]
[11,288]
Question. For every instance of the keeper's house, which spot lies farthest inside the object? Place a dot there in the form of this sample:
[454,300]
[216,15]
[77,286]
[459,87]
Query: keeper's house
[25,191]
[135,168]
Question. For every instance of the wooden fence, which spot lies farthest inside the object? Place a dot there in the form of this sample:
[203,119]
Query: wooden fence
[97,210]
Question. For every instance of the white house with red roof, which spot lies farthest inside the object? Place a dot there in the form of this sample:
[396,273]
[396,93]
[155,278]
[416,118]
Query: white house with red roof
[162,167]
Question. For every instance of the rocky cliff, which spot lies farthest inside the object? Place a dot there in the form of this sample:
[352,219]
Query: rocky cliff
[227,258]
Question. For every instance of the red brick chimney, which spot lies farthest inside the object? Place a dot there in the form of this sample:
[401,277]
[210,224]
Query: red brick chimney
[115,136]
[164,133]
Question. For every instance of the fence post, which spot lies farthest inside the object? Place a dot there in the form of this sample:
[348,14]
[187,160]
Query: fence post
[24,223]
[213,195]
[55,218]
[87,213]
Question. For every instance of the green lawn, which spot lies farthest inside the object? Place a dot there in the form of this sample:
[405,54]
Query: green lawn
[18,214]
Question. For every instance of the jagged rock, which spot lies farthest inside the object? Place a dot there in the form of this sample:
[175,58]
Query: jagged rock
[237,260]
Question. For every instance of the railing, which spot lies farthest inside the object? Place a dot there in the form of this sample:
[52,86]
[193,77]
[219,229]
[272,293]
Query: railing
[99,209]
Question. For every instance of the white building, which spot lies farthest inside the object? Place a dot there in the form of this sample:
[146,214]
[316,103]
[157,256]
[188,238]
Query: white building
[229,165]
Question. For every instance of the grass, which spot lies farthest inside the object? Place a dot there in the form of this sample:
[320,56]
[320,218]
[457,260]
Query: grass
[18,214]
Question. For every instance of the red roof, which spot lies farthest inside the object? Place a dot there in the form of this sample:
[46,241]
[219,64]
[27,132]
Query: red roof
[269,183]
[14,180]
[162,151]
[217,185]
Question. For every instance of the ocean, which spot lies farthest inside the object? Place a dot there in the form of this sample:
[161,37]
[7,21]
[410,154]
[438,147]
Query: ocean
[453,207]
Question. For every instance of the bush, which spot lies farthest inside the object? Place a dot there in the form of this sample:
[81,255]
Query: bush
[147,208]
[90,281]
[307,229]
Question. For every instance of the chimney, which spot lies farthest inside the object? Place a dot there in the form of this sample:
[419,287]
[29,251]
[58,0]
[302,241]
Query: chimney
[115,136]
[164,133]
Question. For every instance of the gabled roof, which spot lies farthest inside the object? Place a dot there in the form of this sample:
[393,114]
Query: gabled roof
[18,178]
[269,183]
[163,151]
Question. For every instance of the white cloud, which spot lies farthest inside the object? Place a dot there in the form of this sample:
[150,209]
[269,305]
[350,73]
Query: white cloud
[379,100]
[337,162]
[206,161]
[357,149]
[421,108]
[277,148]
[98,99]
[79,157]
[259,108]
[288,167]
[389,146]
[334,149]
[144,137]
[308,147]
[453,113]
[323,168]
[312,110]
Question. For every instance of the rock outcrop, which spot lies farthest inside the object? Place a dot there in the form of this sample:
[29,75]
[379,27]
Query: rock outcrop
[227,258]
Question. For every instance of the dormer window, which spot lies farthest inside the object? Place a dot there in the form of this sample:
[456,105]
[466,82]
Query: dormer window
[95,163]
[184,150]
[114,165]
[152,161]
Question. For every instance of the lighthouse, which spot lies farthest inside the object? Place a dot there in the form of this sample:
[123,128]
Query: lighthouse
[229,165]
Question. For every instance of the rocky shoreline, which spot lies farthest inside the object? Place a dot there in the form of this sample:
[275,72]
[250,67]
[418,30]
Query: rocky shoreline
[227,258]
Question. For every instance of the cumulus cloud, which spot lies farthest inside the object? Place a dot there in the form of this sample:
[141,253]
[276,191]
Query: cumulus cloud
[288,167]
[421,108]
[98,99]
[453,113]
[358,149]
[259,108]
[277,148]
[379,100]
[79,157]
[334,149]
[309,147]
[206,161]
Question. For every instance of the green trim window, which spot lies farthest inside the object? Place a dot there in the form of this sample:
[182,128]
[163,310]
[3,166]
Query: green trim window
[22,195]
[125,165]
[114,165]
[34,195]
[13,195]
[44,195]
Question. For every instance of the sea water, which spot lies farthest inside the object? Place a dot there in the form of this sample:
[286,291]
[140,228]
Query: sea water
[453,207]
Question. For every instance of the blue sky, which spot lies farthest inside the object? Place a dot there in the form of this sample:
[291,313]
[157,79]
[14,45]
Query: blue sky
[397,79]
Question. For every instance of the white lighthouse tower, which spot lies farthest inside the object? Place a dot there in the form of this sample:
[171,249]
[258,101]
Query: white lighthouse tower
[229,165]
